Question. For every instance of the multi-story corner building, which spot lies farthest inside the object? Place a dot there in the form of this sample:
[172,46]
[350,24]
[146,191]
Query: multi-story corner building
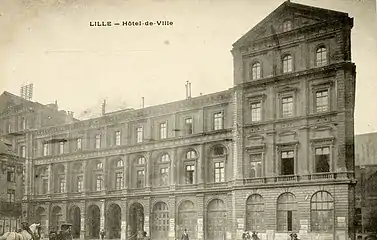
[273,154]
[11,188]
[366,187]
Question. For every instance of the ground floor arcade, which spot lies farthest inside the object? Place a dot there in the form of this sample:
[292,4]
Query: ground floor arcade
[315,212]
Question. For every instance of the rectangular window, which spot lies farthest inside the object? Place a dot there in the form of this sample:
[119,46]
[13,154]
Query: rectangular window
[80,180]
[218,121]
[140,179]
[256,165]
[287,163]
[98,141]
[139,134]
[322,101]
[287,106]
[61,148]
[99,183]
[163,130]
[117,138]
[190,174]
[79,144]
[11,177]
[188,126]
[45,149]
[45,185]
[11,196]
[322,159]
[256,112]
[219,172]
[23,151]
[119,180]
[164,175]
[62,185]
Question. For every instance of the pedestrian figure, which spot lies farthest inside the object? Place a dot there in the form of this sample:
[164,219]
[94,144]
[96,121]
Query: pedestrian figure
[244,235]
[185,235]
[102,234]
[254,236]
[294,236]
[145,237]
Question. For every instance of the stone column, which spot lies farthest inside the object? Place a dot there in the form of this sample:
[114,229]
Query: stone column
[123,206]
[106,181]
[147,215]
[173,169]
[148,170]
[66,174]
[102,214]
[200,219]
[83,220]
[200,167]
[126,172]
[50,179]
[172,203]
[86,176]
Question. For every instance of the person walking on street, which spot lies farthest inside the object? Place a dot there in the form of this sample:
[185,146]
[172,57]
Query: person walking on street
[102,234]
[185,235]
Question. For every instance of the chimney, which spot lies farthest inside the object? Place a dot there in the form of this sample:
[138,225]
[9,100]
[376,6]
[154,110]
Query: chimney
[142,102]
[104,107]
[186,85]
[189,89]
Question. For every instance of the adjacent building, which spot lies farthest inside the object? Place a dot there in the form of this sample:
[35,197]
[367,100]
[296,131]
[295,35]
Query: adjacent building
[11,188]
[274,154]
[366,188]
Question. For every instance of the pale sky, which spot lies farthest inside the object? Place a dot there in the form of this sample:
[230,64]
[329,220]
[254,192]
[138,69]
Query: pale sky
[50,43]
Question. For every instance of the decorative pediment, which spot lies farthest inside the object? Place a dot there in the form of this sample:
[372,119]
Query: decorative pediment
[300,16]
[287,136]
[285,89]
[256,97]
[287,133]
[322,141]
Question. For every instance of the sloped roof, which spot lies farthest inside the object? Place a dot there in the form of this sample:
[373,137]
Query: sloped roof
[315,12]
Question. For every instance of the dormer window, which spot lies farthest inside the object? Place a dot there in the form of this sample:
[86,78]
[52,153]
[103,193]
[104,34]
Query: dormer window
[255,70]
[287,63]
[287,25]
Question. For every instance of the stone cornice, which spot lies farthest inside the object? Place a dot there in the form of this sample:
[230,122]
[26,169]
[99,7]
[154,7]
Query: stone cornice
[170,143]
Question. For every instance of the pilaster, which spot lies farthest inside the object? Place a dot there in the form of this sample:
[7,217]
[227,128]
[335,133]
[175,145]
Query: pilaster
[200,220]
[124,210]
[172,203]
[102,214]
[200,166]
[50,179]
[83,219]
[126,172]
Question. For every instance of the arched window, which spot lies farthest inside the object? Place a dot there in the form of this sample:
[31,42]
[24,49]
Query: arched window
[322,212]
[287,63]
[189,165]
[191,154]
[255,212]
[287,215]
[140,161]
[321,56]
[165,158]
[119,163]
[255,70]
[287,26]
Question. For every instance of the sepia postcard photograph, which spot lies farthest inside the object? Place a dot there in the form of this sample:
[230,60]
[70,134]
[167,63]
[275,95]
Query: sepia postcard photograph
[188,120]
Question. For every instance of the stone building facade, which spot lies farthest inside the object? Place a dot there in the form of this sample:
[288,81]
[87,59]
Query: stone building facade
[366,187]
[274,154]
[11,188]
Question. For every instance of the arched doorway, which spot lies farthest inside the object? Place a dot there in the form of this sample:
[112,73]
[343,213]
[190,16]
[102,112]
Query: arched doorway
[55,218]
[94,221]
[136,220]
[75,220]
[160,217]
[216,220]
[187,219]
[113,220]
[255,213]
[40,217]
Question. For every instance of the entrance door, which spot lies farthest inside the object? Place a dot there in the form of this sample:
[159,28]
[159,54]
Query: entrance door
[94,221]
[114,221]
[187,219]
[136,220]
[160,227]
[75,216]
[216,220]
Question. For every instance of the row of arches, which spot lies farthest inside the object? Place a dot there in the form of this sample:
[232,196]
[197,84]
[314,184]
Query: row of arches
[287,217]
[160,220]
